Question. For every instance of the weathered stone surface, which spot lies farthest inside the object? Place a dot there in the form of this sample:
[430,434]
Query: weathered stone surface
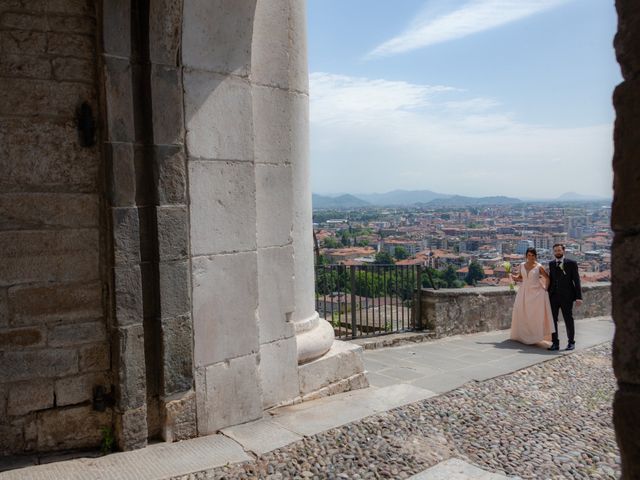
[274,205]
[627,38]
[170,174]
[457,311]
[20,338]
[121,177]
[12,437]
[270,55]
[79,46]
[166,99]
[131,384]
[73,70]
[131,429]
[36,305]
[233,393]
[223,210]
[179,422]
[276,290]
[342,361]
[278,372]
[116,29]
[23,21]
[95,357]
[126,235]
[32,364]
[217,35]
[175,298]
[177,355]
[219,116]
[298,64]
[273,124]
[29,397]
[4,308]
[21,66]
[77,333]
[626,419]
[173,232]
[74,390]
[165,31]
[23,42]
[128,295]
[37,210]
[72,7]
[225,300]
[626,304]
[77,427]
[119,100]
[71,24]
[44,155]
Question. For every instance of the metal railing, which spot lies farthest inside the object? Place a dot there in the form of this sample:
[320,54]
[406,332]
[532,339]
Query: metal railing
[368,300]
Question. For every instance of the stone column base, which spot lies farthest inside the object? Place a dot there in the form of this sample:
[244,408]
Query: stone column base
[314,337]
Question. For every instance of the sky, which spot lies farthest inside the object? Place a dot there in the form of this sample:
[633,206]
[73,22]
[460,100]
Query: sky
[468,97]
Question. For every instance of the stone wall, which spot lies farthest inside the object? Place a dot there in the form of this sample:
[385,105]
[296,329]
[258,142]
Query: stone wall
[469,310]
[53,338]
[625,221]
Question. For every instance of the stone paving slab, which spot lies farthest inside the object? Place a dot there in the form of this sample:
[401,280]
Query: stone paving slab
[261,436]
[155,462]
[456,469]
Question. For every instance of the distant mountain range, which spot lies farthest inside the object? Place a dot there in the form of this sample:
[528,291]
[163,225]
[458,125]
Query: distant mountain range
[403,198]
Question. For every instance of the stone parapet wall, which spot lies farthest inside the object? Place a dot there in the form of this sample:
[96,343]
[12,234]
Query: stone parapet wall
[54,345]
[470,310]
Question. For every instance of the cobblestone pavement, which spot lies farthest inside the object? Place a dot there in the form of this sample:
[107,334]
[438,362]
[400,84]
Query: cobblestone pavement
[552,420]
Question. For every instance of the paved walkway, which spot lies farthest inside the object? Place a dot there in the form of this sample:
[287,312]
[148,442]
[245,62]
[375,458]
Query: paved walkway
[399,376]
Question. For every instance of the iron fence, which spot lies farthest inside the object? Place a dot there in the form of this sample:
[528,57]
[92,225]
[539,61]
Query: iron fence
[367,300]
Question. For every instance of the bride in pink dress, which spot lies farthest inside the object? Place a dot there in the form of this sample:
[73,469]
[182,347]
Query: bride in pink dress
[531,320]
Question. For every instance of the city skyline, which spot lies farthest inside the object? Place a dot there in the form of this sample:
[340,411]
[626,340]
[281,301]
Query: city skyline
[477,98]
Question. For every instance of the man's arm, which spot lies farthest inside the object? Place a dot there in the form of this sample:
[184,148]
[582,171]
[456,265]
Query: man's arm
[576,282]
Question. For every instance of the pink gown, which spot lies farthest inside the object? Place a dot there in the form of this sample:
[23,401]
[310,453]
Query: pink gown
[531,320]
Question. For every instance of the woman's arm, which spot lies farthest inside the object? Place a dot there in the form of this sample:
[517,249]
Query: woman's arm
[544,273]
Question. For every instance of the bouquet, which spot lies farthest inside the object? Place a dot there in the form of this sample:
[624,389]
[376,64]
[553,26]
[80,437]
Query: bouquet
[507,269]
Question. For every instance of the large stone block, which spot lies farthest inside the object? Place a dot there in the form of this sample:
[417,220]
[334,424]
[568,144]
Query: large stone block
[276,293]
[4,308]
[179,417]
[77,334]
[33,364]
[626,419]
[225,301]
[121,178]
[78,389]
[128,295]
[173,232]
[126,235]
[300,139]
[27,397]
[177,355]
[73,70]
[217,35]
[131,383]
[44,155]
[272,35]
[116,29]
[95,358]
[166,99]
[223,208]
[273,124]
[23,21]
[627,38]
[342,361]
[170,175]
[165,31]
[51,256]
[131,429]
[21,338]
[61,302]
[175,297]
[23,42]
[626,168]
[77,427]
[119,99]
[626,307]
[219,116]
[71,24]
[279,372]
[66,44]
[274,200]
[23,66]
[298,64]
[22,211]
[12,437]
[233,393]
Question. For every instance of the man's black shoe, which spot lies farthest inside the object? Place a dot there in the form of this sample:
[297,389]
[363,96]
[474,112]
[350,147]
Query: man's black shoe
[571,346]
[554,347]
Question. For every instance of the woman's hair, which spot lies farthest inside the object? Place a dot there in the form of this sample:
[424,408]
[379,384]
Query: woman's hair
[531,250]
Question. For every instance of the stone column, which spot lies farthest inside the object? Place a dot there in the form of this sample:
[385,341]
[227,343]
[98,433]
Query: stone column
[625,222]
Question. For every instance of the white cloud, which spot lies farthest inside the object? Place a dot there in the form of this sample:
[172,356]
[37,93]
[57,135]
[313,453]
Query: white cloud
[379,135]
[473,17]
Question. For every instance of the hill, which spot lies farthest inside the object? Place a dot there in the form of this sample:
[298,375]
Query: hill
[342,201]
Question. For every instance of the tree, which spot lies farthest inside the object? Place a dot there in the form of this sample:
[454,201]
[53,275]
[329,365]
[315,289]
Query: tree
[400,253]
[450,276]
[383,258]
[344,239]
[475,273]
[330,242]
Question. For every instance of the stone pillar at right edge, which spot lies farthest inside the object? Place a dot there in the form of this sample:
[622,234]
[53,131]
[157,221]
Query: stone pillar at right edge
[314,336]
[625,222]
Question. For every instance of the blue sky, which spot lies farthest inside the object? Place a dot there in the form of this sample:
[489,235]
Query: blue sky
[473,97]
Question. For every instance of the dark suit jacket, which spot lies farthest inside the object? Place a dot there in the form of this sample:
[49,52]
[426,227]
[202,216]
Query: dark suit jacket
[565,284]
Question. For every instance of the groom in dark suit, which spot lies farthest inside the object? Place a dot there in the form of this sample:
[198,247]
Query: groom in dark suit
[564,289]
